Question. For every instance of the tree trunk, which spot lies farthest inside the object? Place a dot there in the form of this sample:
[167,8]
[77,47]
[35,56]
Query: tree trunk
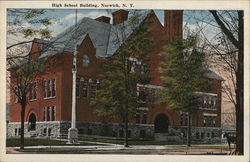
[239,44]
[22,126]
[126,129]
[189,129]
[240,89]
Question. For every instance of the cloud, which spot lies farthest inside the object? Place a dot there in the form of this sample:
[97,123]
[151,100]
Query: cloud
[69,20]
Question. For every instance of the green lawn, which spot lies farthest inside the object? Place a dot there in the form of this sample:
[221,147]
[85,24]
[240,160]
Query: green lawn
[15,142]
[138,142]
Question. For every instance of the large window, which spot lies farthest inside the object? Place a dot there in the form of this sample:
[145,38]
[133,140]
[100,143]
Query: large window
[49,88]
[53,87]
[208,102]
[144,69]
[53,113]
[93,88]
[77,87]
[147,93]
[44,89]
[133,66]
[141,115]
[32,91]
[209,121]
[44,114]
[183,118]
[144,118]
[142,95]
[151,95]
[85,88]
[49,113]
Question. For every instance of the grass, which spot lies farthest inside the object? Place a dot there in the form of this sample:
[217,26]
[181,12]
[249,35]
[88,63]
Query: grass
[15,142]
[139,142]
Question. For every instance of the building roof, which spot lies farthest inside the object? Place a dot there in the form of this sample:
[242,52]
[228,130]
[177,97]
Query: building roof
[106,38]
[213,75]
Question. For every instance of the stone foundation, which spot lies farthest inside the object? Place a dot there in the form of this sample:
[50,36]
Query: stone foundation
[59,129]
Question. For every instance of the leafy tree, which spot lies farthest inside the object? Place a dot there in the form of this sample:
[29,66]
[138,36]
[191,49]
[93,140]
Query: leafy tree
[22,26]
[183,73]
[117,97]
[22,77]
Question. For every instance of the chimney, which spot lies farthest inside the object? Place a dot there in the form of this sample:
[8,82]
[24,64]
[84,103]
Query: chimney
[103,19]
[173,20]
[119,16]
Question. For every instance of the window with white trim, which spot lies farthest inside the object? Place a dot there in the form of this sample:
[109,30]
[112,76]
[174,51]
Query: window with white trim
[208,102]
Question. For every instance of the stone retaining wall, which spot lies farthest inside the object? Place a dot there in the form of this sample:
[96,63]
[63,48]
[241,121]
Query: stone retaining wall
[59,129]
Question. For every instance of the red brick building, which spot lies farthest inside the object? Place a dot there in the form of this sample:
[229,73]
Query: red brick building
[48,111]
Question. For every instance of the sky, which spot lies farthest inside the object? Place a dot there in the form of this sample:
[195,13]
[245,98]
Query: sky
[64,18]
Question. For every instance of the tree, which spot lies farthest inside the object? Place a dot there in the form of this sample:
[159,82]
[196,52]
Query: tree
[117,97]
[22,77]
[225,45]
[236,36]
[22,26]
[183,74]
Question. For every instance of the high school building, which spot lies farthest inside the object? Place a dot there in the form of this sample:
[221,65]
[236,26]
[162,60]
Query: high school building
[48,111]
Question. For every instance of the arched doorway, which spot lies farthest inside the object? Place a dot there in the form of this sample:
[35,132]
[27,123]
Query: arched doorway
[161,123]
[32,122]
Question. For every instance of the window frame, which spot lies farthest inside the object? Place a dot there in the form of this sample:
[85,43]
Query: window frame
[85,61]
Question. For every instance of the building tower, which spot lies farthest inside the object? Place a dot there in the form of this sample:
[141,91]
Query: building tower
[173,21]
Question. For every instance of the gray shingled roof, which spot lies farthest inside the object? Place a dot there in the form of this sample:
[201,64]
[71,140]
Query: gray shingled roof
[213,75]
[105,37]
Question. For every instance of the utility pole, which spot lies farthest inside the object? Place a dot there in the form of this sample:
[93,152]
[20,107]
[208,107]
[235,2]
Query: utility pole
[73,132]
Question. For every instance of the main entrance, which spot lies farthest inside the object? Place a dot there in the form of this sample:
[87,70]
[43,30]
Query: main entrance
[32,122]
[161,123]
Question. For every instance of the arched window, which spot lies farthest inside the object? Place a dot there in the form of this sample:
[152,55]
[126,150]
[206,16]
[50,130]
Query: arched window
[85,61]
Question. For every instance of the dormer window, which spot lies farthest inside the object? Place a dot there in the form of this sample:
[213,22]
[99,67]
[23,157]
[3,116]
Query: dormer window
[85,61]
